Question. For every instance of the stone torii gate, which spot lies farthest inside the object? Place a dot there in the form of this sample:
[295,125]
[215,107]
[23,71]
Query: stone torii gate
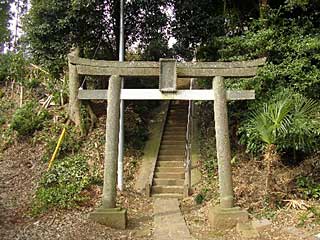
[224,215]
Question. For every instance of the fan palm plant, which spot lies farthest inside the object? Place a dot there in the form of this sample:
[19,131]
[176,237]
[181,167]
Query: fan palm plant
[269,124]
[290,120]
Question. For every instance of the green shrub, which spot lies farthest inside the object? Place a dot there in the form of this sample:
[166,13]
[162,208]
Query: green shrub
[2,120]
[13,66]
[62,186]
[70,144]
[308,187]
[199,198]
[136,131]
[26,120]
[207,138]
[4,66]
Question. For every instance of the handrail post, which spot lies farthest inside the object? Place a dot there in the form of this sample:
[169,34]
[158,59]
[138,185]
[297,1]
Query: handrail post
[121,126]
[188,155]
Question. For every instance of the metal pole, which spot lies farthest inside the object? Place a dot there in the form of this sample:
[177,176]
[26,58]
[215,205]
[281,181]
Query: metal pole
[121,130]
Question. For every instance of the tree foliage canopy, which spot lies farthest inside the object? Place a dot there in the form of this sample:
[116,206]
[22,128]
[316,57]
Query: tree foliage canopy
[4,21]
[52,27]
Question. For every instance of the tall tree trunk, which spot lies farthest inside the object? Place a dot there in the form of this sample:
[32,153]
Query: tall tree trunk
[263,6]
[74,84]
[271,157]
[116,16]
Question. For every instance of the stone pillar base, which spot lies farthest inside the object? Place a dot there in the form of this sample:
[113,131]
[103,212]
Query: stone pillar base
[111,217]
[226,218]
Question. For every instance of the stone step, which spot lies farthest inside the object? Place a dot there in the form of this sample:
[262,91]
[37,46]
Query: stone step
[181,145]
[177,113]
[170,169]
[178,151]
[182,112]
[173,142]
[169,175]
[182,115]
[172,146]
[177,117]
[185,110]
[176,124]
[168,195]
[168,181]
[172,150]
[173,137]
[170,128]
[176,127]
[167,189]
[179,106]
[178,110]
[170,163]
[175,130]
[175,133]
[171,158]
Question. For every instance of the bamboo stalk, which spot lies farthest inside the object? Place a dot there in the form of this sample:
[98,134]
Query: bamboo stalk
[12,88]
[39,68]
[61,98]
[21,96]
[45,104]
[54,155]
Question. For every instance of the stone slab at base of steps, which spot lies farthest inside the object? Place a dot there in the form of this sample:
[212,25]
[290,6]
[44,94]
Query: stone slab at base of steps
[168,221]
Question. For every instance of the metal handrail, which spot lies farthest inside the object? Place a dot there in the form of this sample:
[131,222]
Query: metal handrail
[187,162]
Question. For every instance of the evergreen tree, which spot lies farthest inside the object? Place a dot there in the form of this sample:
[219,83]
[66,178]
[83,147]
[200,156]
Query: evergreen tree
[4,23]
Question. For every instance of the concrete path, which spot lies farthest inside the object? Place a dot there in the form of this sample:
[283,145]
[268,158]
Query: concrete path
[168,220]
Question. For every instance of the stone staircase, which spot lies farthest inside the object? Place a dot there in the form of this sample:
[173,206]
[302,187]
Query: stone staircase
[169,175]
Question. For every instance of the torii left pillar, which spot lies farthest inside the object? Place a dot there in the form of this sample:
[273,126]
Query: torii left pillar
[108,214]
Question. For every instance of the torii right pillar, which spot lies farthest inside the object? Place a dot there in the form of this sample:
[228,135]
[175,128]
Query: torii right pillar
[225,215]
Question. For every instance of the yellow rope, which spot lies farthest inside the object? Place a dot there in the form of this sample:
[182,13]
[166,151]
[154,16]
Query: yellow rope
[54,155]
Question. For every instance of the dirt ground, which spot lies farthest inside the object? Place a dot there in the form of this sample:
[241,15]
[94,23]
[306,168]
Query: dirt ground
[291,222]
[20,171]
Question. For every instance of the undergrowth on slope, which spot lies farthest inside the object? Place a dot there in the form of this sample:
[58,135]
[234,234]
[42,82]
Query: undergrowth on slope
[27,119]
[62,185]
